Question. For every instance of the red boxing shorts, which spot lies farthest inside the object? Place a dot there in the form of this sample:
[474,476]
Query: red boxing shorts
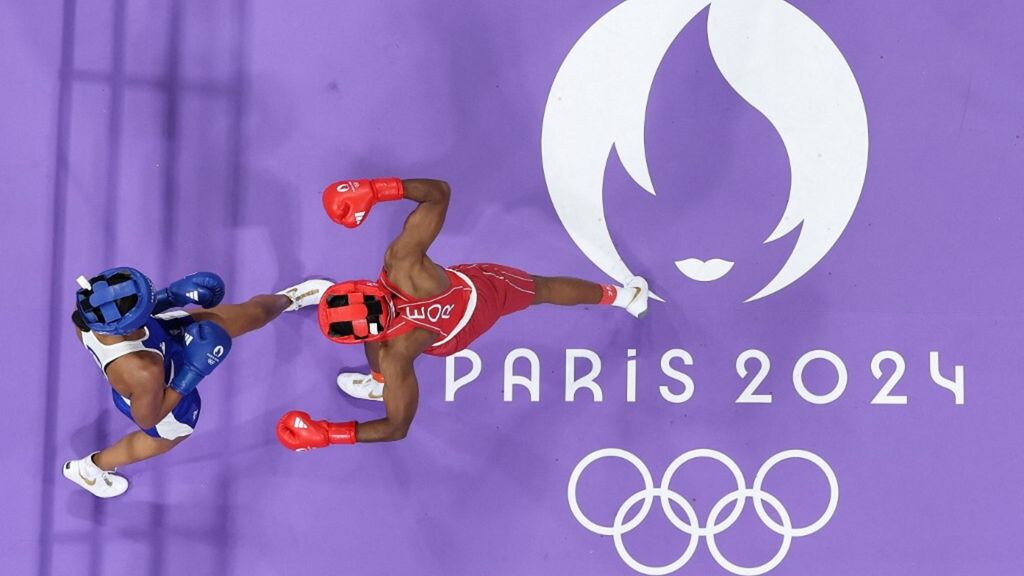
[500,290]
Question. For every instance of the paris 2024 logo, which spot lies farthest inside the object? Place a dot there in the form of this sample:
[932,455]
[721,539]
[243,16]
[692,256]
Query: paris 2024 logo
[773,56]
[788,69]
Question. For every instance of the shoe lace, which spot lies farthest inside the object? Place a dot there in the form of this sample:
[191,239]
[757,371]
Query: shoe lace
[105,477]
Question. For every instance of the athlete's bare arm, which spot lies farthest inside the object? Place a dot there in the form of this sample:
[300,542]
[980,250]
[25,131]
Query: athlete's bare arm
[401,395]
[406,260]
[139,376]
[412,271]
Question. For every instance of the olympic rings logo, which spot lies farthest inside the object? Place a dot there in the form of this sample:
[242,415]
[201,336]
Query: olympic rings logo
[691,525]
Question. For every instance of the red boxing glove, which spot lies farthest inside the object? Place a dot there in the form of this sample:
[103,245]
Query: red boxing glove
[348,202]
[298,432]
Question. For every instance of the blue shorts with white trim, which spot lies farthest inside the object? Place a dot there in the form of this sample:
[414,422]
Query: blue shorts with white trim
[180,422]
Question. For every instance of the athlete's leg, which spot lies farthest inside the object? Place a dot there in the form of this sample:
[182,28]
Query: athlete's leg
[238,319]
[95,472]
[573,291]
[565,291]
[132,448]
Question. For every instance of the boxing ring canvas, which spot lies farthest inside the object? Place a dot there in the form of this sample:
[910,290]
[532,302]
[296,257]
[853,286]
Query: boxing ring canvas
[826,196]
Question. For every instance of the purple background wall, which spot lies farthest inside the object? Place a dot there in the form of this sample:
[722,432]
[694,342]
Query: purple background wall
[196,135]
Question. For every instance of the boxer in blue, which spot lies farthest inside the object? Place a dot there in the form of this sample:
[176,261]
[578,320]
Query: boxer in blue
[154,357]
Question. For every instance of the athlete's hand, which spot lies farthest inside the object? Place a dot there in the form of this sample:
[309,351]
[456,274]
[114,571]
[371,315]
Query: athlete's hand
[203,288]
[297,431]
[348,202]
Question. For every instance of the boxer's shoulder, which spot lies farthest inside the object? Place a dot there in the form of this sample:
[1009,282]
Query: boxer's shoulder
[416,280]
[408,345]
[135,372]
[145,355]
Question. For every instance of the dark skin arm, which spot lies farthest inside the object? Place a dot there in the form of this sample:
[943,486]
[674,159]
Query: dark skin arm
[406,260]
[410,269]
[401,395]
[372,351]
[140,378]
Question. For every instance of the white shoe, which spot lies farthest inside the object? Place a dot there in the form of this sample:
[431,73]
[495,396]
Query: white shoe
[361,386]
[104,485]
[306,293]
[638,305]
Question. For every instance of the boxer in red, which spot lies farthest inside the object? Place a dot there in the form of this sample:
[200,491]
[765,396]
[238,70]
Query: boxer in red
[418,307]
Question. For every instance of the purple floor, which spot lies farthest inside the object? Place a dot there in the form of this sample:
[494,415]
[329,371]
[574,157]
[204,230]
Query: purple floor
[184,136]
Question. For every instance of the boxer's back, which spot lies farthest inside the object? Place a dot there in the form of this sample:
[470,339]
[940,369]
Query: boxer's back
[443,313]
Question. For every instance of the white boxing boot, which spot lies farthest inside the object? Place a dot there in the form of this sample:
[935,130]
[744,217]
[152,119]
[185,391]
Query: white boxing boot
[361,386]
[637,293]
[306,293]
[100,483]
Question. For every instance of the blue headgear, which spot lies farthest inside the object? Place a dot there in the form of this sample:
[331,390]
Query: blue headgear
[117,301]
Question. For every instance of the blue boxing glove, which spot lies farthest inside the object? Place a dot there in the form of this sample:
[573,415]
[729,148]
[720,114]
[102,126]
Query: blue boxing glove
[206,345]
[203,288]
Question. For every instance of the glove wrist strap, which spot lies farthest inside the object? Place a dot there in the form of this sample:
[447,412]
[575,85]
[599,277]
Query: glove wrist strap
[341,432]
[387,189]
[163,301]
[185,381]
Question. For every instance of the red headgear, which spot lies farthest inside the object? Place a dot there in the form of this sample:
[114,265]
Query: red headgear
[355,312]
